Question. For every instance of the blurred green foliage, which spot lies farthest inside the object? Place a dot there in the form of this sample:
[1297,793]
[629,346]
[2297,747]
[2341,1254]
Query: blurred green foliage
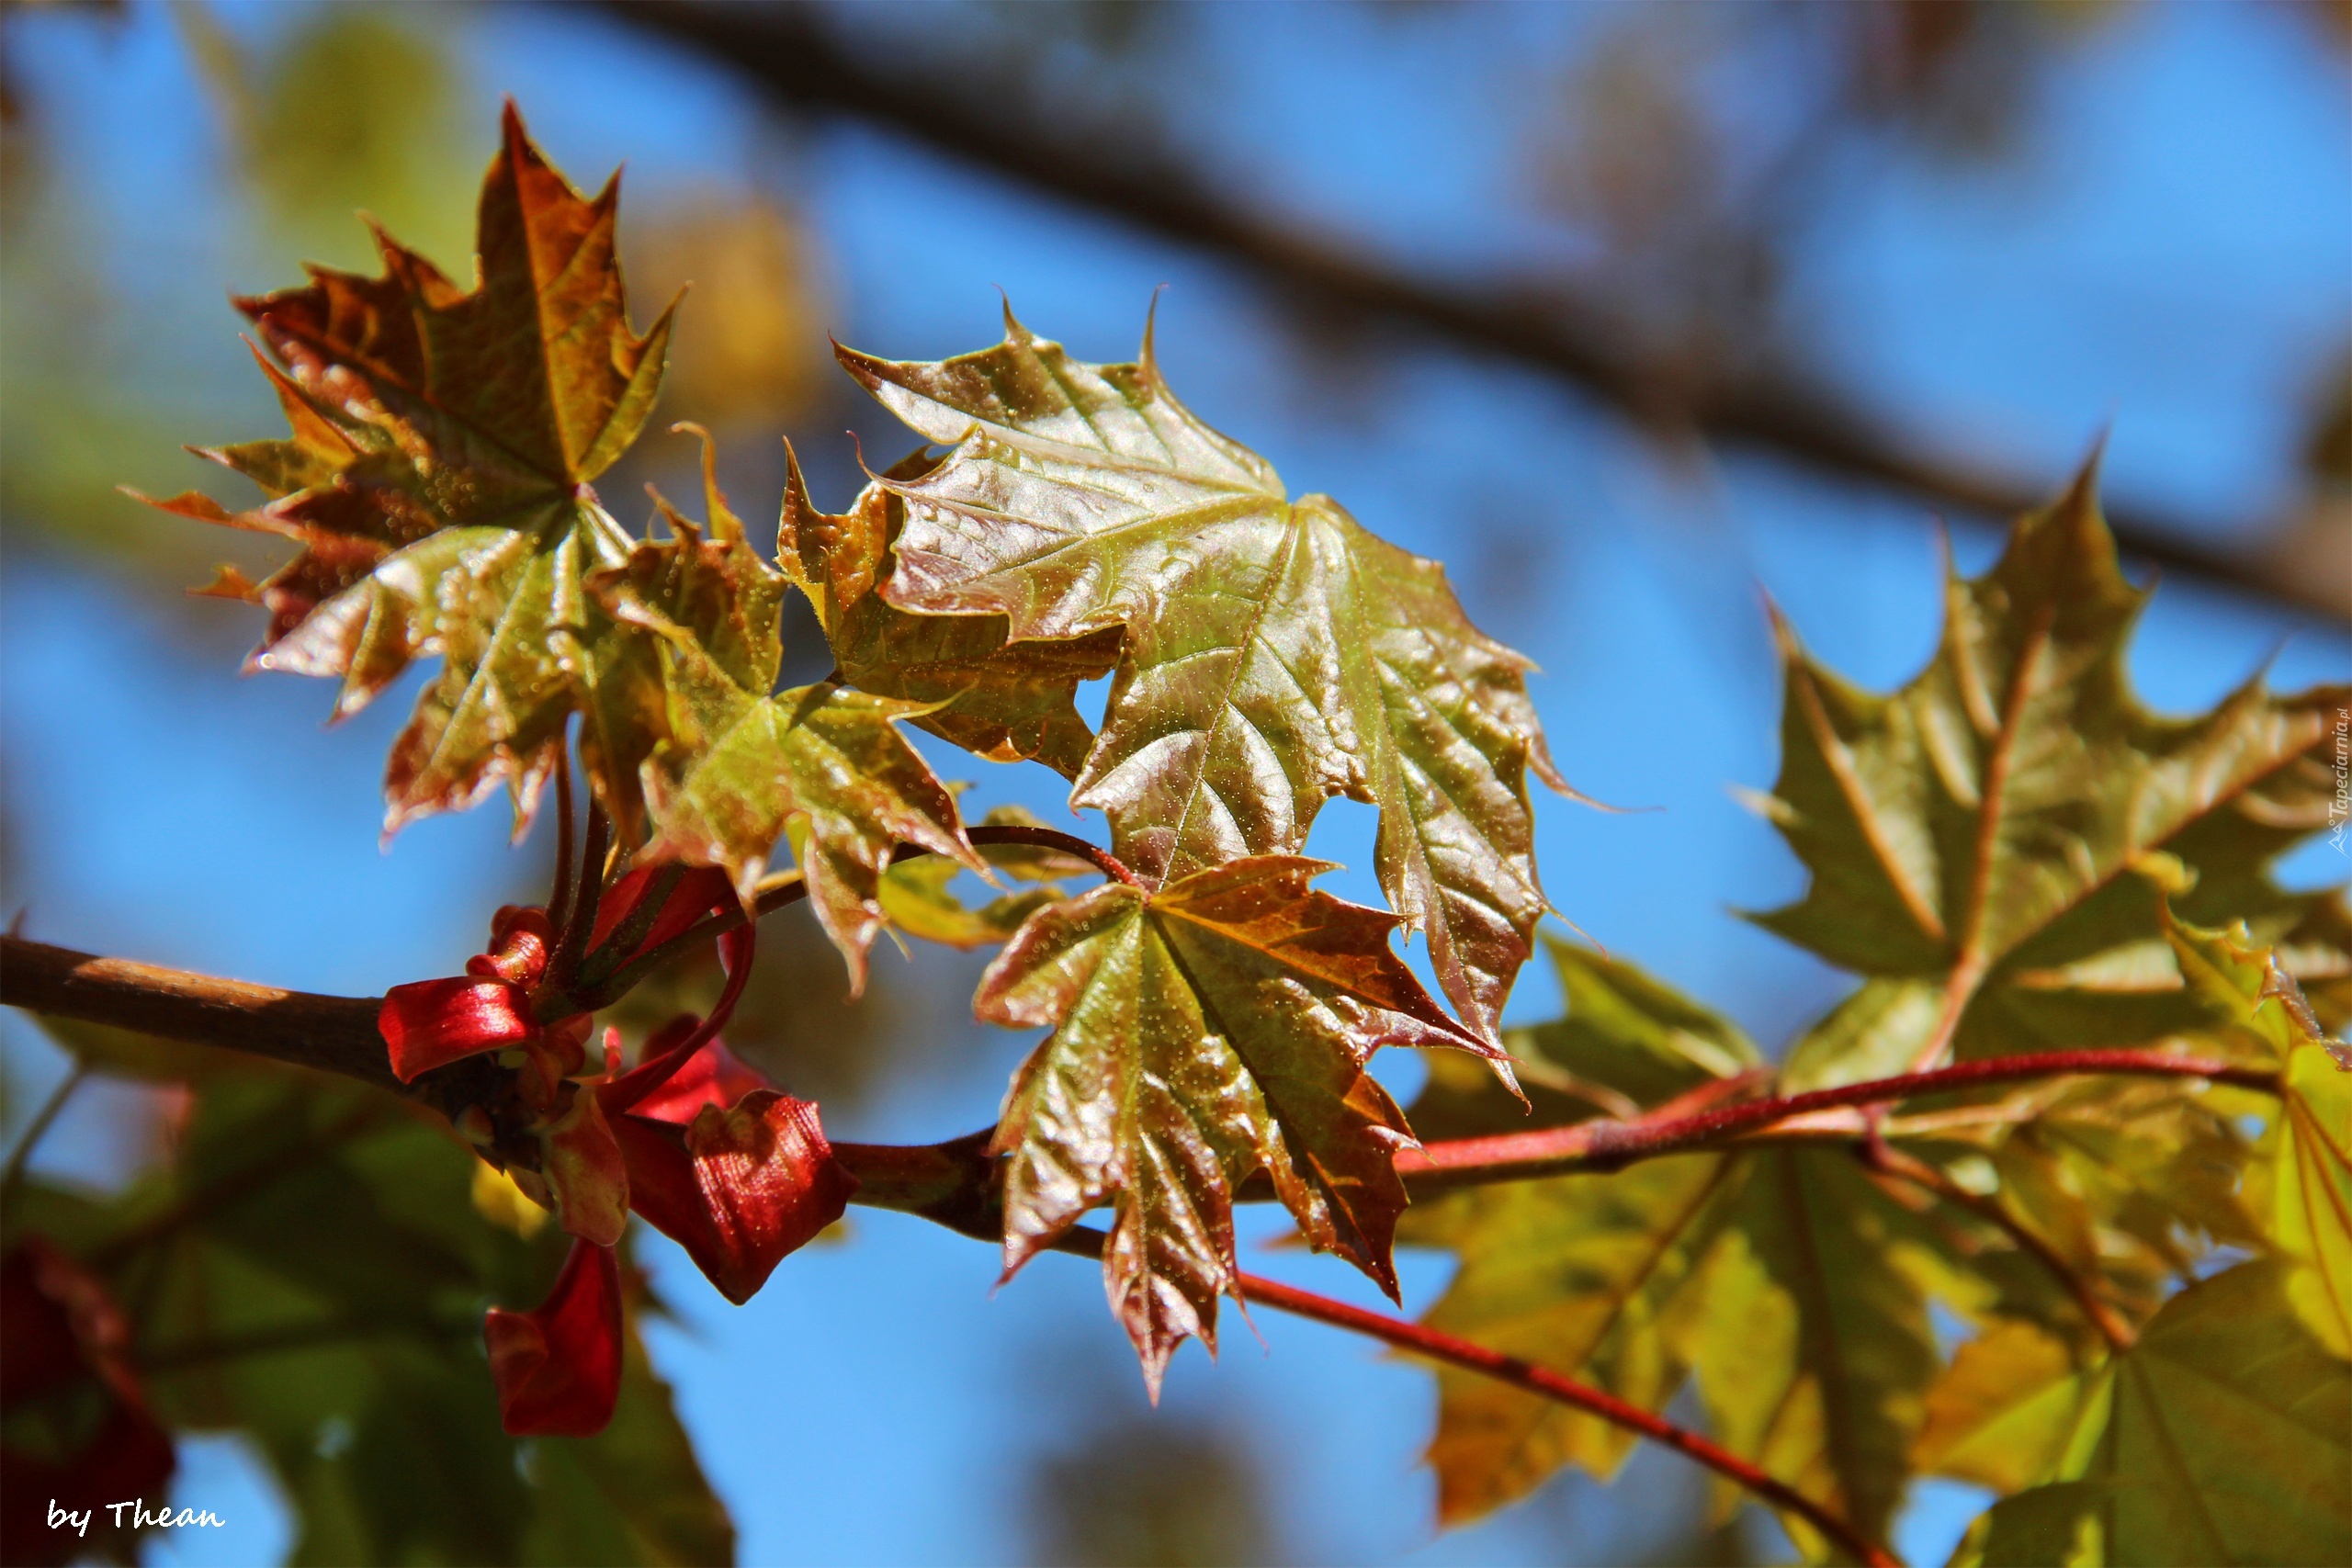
[1151,1492]
[308,1266]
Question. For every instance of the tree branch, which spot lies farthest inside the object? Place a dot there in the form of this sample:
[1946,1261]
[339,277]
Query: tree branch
[334,1034]
[1610,1146]
[792,54]
[1431,1344]
[950,1181]
[331,1034]
[954,1183]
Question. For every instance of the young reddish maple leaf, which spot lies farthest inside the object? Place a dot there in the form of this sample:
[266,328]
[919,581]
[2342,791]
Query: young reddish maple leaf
[1004,700]
[719,1161]
[437,478]
[1275,652]
[558,1367]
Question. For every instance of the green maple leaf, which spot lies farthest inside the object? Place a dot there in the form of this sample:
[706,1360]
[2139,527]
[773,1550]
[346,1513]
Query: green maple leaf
[1276,654]
[2001,1414]
[1217,1026]
[2132,1182]
[729,770]
[438,479]
[2219,1437]
[1992,844]
[1769,1275]
[1006,700]
[2257,1005]
[921,901]
[1582,1274]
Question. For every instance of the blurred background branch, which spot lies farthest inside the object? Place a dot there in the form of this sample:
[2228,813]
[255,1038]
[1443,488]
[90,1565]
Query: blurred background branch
[989,108]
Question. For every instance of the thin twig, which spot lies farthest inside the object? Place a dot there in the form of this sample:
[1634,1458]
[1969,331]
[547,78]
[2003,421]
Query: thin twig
[1104,860]
[1420,1339]
[559,896]
[572,941]
[1882,1157]
[1607,1145]
[12,1177]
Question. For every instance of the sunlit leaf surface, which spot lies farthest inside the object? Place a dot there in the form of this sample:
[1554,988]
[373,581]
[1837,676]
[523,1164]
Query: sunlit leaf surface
[1206,1031]
[1276,653]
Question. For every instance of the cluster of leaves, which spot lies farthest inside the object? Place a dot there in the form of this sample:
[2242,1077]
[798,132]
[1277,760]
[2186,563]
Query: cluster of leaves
[1213,1017]
[2009,854]
[2015,857]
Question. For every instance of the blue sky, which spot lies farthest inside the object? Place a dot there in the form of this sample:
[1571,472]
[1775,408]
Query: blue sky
[2173,265]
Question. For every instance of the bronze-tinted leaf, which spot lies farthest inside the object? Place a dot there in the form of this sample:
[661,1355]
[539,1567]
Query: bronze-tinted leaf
[1006,700]
[437,479]
[728,771]
[1276,653]
[1215,1027]
[823,761]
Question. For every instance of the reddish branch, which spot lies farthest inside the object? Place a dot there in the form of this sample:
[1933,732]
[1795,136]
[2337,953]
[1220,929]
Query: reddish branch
[1429,1343]
[338,1035]
[1607,1145]
[954,1182]
[1437,1346]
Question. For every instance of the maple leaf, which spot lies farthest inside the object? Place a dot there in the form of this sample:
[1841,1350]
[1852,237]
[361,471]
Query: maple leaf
[1006,700]
[823,760]
[917,897]
[1204,1030]
[1276,653]
[1767,1275]
[438,479]
[735,770]
[1993,844]
[920,898]
[2000,1414]
[2219,1437]
[2308,1169]
[2132,1183]
[703,586]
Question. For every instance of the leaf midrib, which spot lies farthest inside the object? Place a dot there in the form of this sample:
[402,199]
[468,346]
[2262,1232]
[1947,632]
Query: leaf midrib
[379,373]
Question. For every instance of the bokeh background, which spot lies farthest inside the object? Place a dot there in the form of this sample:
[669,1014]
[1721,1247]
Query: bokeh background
[1635,314]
